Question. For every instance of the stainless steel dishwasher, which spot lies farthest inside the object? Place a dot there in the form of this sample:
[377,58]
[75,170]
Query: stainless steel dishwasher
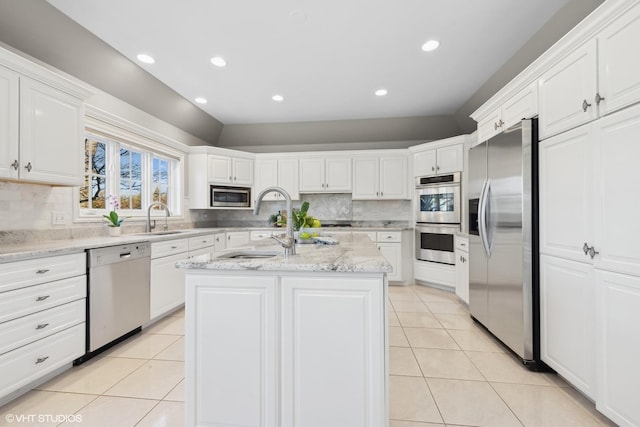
[117,294]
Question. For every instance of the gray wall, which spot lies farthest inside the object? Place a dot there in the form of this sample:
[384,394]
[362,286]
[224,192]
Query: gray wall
[559,25]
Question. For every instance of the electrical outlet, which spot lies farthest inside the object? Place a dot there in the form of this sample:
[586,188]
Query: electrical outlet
[58,218]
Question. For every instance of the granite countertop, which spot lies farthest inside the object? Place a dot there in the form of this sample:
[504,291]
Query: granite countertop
[354,253]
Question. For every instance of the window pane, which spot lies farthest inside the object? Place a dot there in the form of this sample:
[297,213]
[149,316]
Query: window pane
[98,186]
[98,158]
[125,163]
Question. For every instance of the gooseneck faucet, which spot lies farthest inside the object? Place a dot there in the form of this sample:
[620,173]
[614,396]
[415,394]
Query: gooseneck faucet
[150,227]
[288,242]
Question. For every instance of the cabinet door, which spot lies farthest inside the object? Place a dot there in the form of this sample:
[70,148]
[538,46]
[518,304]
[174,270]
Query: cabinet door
[462,275]
[333,351]
[449,159]
[567,92]
[617,199]
[288,177]
[566,188]
[618,317]
[51,135]
[523,105]
[567,321]
[266,176]
[311,175]
[219,242]
[167,284]
[9,124]
[238,238]
[338,174]
[424,163]
[366,178]
[220,169]
[618,65]
[490,125]
[242,171]
[393,254]
[231,343]
[394,177]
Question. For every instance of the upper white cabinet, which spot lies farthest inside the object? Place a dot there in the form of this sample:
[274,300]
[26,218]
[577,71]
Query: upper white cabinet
[600,77]
[41,131]
[380,177]
[325,174]
[276,172]
[445,159]
[230,170]
[522,105]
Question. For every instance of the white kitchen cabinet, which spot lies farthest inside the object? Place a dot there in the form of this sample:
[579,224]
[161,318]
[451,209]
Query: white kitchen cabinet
[333,351]
[234,347]
[277,172]
[237,238]
[618,347]
[219,242]
[567,91]
[522,105]
[166,281]
[618,66]
[568,321]
[41,132]
[230,170]
[462,268]
[393,253]
[325,175]
[393,245]
[380,177]
[437,161]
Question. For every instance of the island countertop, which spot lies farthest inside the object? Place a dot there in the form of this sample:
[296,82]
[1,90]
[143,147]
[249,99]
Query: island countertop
[354,253]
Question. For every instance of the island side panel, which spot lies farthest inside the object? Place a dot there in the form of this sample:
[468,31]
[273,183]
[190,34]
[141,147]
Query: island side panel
[231,350]
[334,364]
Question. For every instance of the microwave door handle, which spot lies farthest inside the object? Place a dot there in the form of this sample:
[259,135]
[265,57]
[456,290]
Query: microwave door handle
[482,219]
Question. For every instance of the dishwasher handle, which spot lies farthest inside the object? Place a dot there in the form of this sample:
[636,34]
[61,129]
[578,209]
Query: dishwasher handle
[125,255]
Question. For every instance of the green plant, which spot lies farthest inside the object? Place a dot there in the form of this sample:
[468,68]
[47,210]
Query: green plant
[301,218]
[113,218]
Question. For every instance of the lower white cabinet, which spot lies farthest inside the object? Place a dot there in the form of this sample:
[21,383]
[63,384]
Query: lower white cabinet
[568,321]
[618,346]
[167,281]
[462,268]
[237,238]
[285,349]
[393,253]
[392,245]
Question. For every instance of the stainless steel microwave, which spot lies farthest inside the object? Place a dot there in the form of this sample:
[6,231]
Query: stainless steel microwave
[229,197]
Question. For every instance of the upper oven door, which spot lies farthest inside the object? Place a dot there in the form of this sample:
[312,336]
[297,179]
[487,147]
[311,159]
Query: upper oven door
[438,203]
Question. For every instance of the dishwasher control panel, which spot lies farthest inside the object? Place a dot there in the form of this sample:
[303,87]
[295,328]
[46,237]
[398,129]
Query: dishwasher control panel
[118,253]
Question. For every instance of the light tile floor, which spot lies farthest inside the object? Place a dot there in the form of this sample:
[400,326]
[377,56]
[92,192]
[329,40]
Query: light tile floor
[444,370]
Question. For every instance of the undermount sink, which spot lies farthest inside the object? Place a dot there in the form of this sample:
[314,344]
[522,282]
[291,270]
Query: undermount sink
[249,255]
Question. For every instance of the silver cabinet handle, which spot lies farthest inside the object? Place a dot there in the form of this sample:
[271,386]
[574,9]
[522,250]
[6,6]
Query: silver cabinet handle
[41,359]
[585,105]
[500,123]
[593,252]
[585,248]
[217,239]
[42,271]
[42,298]
[377,193]
[230,178]
[437,168]
[463,244]
[433,168]
[15,164]
[28,167]
[381,193]
[42,325]
[598,98]
[174,247]
[495,126]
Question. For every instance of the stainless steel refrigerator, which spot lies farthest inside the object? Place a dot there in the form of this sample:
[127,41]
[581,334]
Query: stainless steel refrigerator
[503,239]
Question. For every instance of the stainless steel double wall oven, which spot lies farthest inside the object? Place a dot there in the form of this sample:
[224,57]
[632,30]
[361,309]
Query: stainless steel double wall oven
[438,213]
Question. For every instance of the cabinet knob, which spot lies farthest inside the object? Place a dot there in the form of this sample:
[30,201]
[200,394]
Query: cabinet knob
[15,165]
[41,359]
[500,123]
[433,168]
[495,126]
[593,252]
[585,105]
[42,298]
[42,271]
[230,178]
[28,167]
[598,98]
[42,325]
[381,193]
[585,248]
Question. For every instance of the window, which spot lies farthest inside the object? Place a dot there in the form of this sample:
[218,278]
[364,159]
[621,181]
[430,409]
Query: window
[137,175]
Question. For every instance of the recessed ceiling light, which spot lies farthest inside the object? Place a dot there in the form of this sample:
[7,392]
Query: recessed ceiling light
[278,98]
[147,59]
[381,92]
[430,45]
[218,61]
[201,100]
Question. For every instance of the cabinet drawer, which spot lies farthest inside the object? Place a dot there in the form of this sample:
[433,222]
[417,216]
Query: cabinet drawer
[26,364]
[29,300]
[27,329]
[169,247]
[200,242]
[20,274]
[389,236]
[462,243]
[265,234]
[370,234]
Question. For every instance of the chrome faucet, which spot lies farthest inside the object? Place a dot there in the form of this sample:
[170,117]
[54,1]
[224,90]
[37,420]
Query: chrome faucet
[288,242]
[150,227]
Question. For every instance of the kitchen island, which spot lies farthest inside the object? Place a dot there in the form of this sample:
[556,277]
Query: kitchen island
[297,341]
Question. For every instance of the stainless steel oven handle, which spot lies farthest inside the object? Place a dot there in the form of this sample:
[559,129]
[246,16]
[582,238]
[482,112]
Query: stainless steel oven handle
[482,217]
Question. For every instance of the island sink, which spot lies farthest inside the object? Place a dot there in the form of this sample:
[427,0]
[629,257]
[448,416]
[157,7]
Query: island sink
[249,254]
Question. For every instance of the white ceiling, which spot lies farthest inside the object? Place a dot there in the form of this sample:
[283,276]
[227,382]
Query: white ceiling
[325,57]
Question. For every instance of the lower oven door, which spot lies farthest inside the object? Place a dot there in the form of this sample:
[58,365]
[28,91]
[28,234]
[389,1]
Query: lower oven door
[435,242]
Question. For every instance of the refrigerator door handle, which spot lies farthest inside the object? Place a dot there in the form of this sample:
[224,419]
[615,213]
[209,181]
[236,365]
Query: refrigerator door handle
[482,217]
